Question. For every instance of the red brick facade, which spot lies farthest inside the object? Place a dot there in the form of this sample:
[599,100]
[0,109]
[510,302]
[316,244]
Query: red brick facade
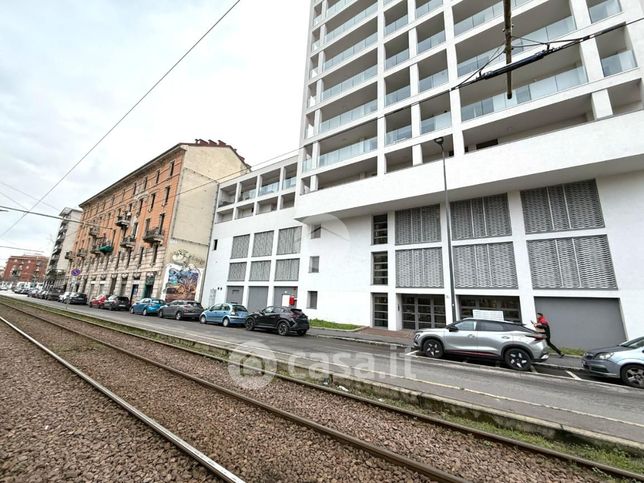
[25,268]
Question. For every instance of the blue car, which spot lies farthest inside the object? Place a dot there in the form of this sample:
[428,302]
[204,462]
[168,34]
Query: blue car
[147,306]
[224,314]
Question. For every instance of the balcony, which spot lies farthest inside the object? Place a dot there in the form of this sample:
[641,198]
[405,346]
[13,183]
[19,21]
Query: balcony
[335,8]
[69,255]
[398,95]
[618,63]
[269,188]
[428,7]
[335,33]
[289,183]
[434,80]
[436,123]
[398,135]
[247,195]
[603,10]
[348,152]
[93,231]
[153,236]
[351,51]
[396,24]
[484,16]
[123,221]
[128,242]
[349,116]
[396,59]
[82,253]
[350,83]
[431,42]
[106,247]
[57,249]
[536,90]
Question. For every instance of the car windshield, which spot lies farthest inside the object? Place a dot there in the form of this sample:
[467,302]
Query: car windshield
[157,301]
[634,344]
[241,308]
[196,304]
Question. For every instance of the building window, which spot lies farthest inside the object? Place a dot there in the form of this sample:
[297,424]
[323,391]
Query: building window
[263,244]
[485,266]
[146,226]
[237,272]
[171,171]
[129,256]
[133,193]
[161,221]
[260,271]
[140,206]
[155,252]
[316,231]
[289,240]
[481,218]
[380,268]
[157,177]
[418,225]
[510,306]
[141,256]
[166,195]
[314,265]
[153,198]
[287,270]
[145,183]
[312,300]
[135,228]
[380,230]
[380,310]
[215,242]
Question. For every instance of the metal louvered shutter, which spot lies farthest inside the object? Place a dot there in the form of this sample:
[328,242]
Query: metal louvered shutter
[464,267]
[567,263]
[289,240]
[260,271]
[418,225]
[558,209]
[287,269]
[419,268]
[237,272]
[489,265]
[595,262]
[461,220]
[544,264]
[240,246]
[497,216]
[403,227]
[481,217]
[263,244]
[477,218]
[536,211]
[430,224]
[503,272]
[584,206]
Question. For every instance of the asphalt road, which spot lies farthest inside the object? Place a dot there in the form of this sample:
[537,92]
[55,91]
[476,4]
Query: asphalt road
[601,407]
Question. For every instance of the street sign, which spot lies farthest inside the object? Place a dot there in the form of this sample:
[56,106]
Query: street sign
[76,272]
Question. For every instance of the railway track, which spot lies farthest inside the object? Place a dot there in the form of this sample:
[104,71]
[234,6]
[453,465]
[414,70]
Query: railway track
[348,439]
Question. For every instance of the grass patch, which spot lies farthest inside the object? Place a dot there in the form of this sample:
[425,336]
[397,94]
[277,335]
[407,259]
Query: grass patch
[572,351]
[325,324]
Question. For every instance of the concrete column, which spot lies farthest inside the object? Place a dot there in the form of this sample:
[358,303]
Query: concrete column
[602,106]
[415,120]
[315,155]
[382,133]
[414,79]
[412,38]
[579,9]
[394,318]
[314,182]
[411,10]
[458,138]
[417,155]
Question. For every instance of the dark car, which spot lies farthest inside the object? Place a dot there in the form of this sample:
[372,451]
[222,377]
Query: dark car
[116,302]
[53,294]
[286,320]
[181,309]
[76,298]
[98,301]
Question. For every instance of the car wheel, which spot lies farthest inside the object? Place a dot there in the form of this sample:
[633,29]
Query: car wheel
[282,328]
[250,323]
[160,314]
[633,375]
[131,310]
[433,348]
[178,316]
[225,322]
[301,332]
[518,359]
[202,319]
[145,312]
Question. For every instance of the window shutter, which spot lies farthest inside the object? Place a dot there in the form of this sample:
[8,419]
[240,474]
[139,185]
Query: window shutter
[419,268]
[260,271]
[263,244]
[536,211]
[595,262]
[584,205]
[240,246]
[237,272]
[287,270]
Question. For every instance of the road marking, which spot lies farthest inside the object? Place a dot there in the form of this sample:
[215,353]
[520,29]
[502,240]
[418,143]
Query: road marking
[411,354]
[574,376]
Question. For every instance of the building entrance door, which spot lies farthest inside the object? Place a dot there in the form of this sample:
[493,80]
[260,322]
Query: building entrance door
[423,311]
[112,286]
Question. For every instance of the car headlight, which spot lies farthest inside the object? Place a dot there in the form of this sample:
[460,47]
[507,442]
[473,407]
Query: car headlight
[602,356]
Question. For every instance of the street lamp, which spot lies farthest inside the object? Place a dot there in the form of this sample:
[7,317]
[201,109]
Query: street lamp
[450,266]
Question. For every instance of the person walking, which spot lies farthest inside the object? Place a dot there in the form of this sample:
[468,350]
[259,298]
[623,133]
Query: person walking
[543,325]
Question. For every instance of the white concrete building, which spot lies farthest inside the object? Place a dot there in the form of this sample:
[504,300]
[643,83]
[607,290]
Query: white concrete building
[57,274]
[546,189]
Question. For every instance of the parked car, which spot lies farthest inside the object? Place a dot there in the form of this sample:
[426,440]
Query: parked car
[42,294]
[53,294]
[225,314]
[286,320]
[63,296]
[116,302]
[181,309]
[147,306]
[98,301]
[76,298]
[624,361]
[515,344]
[32,293]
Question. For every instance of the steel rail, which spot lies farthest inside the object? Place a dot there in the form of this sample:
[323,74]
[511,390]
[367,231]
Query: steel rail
[610,470]
[426,470]
[184,446]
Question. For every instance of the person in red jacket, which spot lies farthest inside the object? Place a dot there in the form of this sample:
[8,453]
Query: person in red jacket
[543,325]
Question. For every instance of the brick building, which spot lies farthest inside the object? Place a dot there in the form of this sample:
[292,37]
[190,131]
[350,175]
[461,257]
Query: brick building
[147,234]
[25,268]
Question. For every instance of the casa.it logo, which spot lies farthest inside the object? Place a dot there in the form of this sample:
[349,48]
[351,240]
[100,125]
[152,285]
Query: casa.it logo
[252,365]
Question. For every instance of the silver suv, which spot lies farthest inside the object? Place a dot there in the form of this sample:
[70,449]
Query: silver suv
[515,344]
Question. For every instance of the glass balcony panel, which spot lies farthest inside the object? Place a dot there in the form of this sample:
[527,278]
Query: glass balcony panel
[604,10]
[436,123]
[398,135]
[398,95]
[483,16]
[393,26]
[434,80]
[269,188]
[428,7]
[350,23]
[307,164]
[333,9]
[351,51]
[247,195]
[431,42]
[349,116]
[397,59]
[357,79]
[348,152]
[617,63]
[289,183]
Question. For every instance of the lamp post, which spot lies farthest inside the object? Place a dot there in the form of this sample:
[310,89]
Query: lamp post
[450,265]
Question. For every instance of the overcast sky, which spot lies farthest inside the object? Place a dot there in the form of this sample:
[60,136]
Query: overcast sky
[69,69]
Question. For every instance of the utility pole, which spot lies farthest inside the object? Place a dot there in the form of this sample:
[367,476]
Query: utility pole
[507,14]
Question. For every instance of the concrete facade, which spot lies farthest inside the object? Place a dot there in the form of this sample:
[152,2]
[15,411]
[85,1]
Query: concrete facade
[62,254]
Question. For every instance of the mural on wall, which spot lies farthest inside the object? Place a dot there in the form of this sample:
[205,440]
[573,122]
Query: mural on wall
[181,280]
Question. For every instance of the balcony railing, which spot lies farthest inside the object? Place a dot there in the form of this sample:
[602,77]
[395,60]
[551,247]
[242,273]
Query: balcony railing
[269,188]
[395,25]
[351,51]
[398,95]
[348,152]
[333,9]
[396,59]
[289,183]
[603,10]
[128,242]
[82,253]
[431,42]
[436,123]
[69,255]
[483,16]
[434,80]
[398,135]
[545,34]
[153,235]
[350,23]
[351,82]
[247,195]
[428,7]
[93,232]
[617,63]
[536,90]
[349,116]
[123,221]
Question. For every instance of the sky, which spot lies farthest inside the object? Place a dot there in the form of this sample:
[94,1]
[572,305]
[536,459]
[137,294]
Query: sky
[70,69]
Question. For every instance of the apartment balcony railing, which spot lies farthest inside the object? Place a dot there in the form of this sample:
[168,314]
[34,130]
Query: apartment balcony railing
[349,116]
[428,7]
[269,188]
[248,195]
[603,10]
[289,183]
[396,59]
[546,34]
[431,42]
[96,250]
[123,221]
[348,152]
[82,253]
[153,235]
[341,5]
[536,90]
[617,63]
[57,249]
[351,51]
[398,95]
[93,231]
[398,135]
[350,83]
[128,242]
[69,255]
[434,80]
[395,25]
[336,32]
[483,16]
[436,123]
[224,203]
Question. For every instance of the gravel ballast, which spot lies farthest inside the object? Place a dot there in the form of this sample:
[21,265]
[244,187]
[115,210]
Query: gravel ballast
[55,427]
